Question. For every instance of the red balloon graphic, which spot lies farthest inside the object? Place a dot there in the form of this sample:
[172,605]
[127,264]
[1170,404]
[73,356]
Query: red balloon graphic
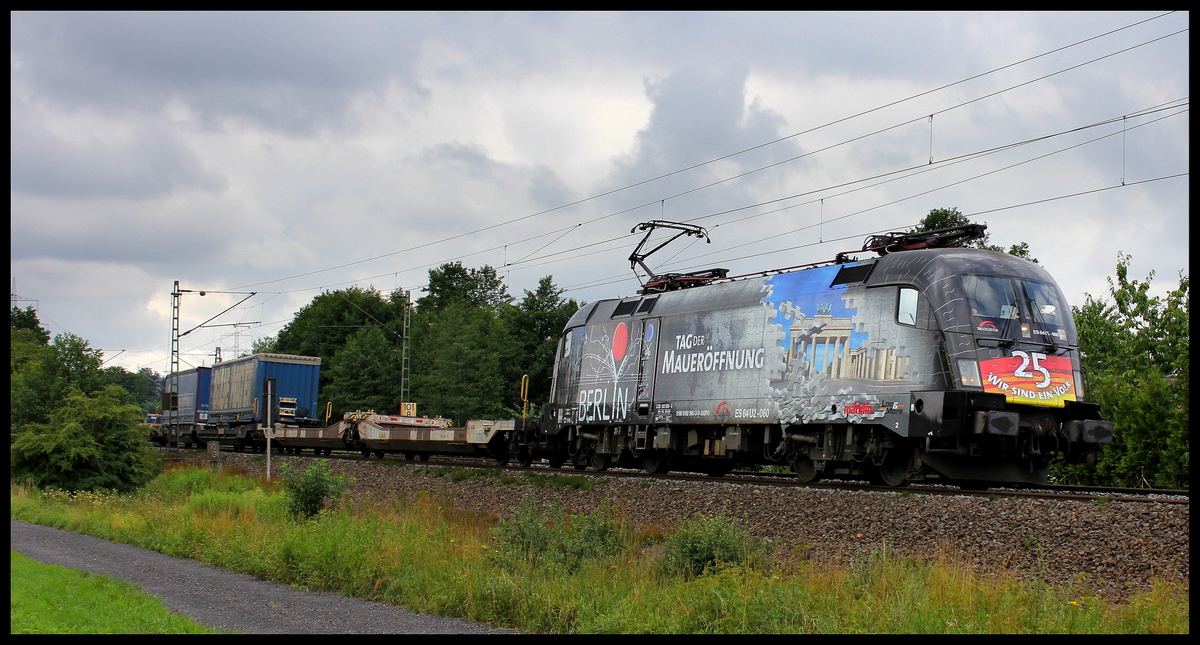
[620,342]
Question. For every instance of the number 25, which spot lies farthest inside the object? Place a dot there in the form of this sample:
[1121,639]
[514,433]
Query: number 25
[1034,358]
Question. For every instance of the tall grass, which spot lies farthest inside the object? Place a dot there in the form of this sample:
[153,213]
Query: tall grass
[545,570]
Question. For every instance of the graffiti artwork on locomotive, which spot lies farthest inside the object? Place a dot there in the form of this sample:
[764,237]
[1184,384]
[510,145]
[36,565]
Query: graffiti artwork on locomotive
[927,363]
[923,363]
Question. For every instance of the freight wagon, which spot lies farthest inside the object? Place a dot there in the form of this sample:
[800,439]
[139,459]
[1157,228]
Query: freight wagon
[242,388]
[187,422]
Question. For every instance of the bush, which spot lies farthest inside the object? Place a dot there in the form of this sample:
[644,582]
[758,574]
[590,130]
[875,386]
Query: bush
[533,537]
[708,541]
[307,490]
[92,442]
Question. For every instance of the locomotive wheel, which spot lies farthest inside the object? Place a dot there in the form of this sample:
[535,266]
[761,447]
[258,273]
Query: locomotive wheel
[805,468]
[655,462]
[894,469]
[599,462]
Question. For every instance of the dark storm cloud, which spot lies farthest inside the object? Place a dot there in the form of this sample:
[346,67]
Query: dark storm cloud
[291,72]
[700,115]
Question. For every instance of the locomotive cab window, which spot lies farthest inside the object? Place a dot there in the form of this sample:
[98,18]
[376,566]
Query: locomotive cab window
[906,308]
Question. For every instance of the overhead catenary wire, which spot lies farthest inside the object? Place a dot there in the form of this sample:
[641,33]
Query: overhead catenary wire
[620,278]
[915,169]
[752,148]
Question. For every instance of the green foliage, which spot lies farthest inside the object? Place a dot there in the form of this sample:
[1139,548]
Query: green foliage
[534,326]
[437,559]
[307,490]
[93,442]
[940,218]
[452,283]
[711,541]
[574,482]
[26,320]
[47,599]
[457,360]
[325,327]
[1135,356]
[364,375]
[180,484]
[44,373]
[547,538]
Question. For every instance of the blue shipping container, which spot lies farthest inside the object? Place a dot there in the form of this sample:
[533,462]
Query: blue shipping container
[195,390]
[238,388]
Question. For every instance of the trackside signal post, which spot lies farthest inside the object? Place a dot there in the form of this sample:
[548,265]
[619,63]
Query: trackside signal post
[267,426]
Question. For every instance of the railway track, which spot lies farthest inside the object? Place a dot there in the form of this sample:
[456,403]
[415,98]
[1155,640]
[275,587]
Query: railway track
[1045,492]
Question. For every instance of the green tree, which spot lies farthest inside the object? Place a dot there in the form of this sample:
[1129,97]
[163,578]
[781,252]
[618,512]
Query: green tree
[535,324]
[145,390]
[26,319]
[324,326]
[43,375]
[1134,351]
[940,218]
[365,375]
[91,442]
[264,345]
[452,283]
[457,362]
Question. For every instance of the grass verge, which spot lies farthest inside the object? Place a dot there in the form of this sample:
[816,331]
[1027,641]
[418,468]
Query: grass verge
[543,569]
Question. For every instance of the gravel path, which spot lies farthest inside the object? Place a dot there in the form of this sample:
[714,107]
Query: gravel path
[227,601]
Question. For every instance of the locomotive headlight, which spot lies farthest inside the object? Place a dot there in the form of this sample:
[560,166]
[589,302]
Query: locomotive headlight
[968,371]
[1078,384]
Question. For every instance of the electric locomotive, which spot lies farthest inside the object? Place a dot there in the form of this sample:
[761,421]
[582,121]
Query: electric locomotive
[927,362]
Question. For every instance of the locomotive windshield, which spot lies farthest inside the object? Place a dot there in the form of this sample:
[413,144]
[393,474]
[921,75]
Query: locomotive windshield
[1011,308]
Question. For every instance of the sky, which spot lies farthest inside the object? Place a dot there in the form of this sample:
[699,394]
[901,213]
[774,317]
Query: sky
[287,154]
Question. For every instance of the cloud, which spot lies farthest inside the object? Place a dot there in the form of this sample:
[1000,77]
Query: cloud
[291,72]
[700,115]
[83,156]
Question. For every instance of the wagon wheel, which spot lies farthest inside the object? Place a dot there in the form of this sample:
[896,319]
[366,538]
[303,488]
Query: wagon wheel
[599,461]
[556,460]
[655,462]
[717,469]
[524,457]
[366,453]
[805,468]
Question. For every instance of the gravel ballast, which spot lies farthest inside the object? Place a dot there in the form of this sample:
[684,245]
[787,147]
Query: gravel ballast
[1114,548]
